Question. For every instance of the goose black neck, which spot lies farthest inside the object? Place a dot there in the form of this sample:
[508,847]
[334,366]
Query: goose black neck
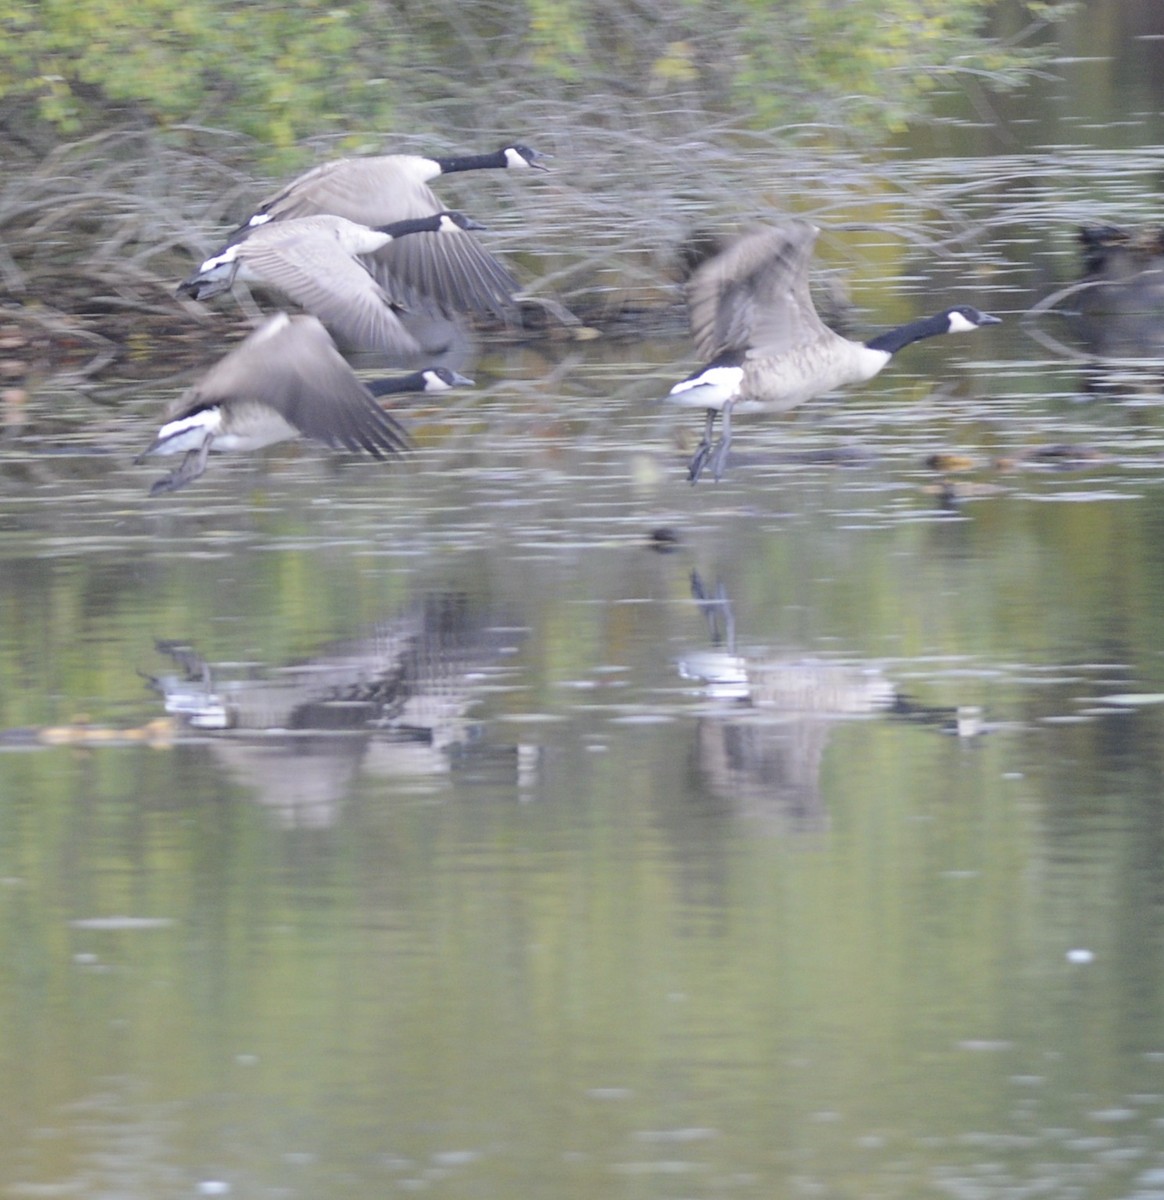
[471,162]
[894,339]
[415,225]
[395,384]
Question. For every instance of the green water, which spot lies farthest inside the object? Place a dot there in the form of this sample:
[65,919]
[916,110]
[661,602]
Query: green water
[590,924]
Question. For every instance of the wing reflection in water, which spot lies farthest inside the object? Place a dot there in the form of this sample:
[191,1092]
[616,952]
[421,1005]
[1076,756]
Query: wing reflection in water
[395,702]
[762,750]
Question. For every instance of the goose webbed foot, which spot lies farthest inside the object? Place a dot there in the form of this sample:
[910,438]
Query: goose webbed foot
[712,453]
[699,460]
[190,468]
[718,456]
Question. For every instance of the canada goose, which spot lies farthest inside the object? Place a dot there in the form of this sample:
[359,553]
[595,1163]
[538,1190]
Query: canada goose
[319,263]
[431,379]
[459,275]
[285,380]
[753,318]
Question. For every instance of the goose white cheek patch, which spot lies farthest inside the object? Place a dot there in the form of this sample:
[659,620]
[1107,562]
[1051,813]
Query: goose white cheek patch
[959,324]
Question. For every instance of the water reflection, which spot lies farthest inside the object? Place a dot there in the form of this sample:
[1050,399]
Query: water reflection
[763,745]
[394,702]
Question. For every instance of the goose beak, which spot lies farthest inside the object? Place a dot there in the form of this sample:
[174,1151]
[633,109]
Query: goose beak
[987,319]
[536,161]
[462,380]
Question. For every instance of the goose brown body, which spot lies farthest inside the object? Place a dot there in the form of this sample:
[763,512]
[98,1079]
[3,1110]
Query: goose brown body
[458,275]
[286,380]
[752,316]
[321,262]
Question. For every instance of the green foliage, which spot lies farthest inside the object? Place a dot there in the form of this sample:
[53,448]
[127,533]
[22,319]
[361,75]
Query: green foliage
[279,70]
[865,64]
[875,61]
[276,71]
[557,37]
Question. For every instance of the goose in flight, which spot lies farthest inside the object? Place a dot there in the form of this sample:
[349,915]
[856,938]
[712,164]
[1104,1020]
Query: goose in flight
[321,263]
[285,380]
[765,347]
[458,275]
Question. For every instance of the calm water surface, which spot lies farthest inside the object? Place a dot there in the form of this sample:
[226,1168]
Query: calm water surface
[439,827]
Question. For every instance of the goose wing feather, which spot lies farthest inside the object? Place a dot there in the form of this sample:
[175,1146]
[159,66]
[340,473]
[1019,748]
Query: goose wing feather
[291,365]
[371,191]
[320,276]
[451,268]
[754,295]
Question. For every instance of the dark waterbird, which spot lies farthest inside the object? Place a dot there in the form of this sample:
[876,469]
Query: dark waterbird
[1119,303]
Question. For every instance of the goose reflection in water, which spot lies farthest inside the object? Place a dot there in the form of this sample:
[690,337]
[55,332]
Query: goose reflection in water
[762,750]
[395,702]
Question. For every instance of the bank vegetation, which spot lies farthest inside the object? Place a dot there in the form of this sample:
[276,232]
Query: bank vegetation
[134,132]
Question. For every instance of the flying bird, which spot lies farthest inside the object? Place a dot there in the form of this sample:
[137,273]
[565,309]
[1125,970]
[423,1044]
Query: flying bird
[458,275]
[321,263]
[285,380]
[765,348]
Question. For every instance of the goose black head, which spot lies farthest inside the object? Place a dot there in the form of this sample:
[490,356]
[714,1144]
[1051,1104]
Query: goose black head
[518,155]
[440,379]
[458,219]
[964,317]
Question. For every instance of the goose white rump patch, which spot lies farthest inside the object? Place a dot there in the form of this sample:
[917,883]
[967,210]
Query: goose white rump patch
[712,388]
[187,433]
